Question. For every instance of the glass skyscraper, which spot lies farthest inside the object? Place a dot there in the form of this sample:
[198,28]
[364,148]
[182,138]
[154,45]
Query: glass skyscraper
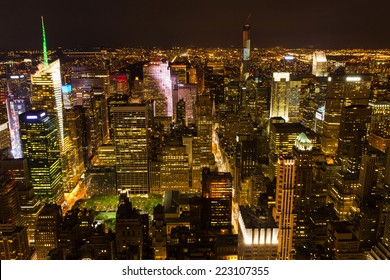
[41,147]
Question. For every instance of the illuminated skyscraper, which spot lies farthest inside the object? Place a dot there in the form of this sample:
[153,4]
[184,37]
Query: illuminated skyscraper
[131,137]
[320,66]
[354,124]
[281,141]
[202,144]
[246,47]
[158,87]
[283,210]
[342,91]
[280,88]
[368,176]
[47,95]
[17,102]
[217,189]
[188,93]
[175,170]
[303,152]
[47,90]
[41,148]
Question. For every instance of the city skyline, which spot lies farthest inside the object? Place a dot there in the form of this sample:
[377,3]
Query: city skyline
[197,153]
[331,25]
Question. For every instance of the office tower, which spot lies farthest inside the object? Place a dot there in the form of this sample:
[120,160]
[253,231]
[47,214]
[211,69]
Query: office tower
[180,71]
[75,130]
[246,47]
[13,235]
[284,202]
[213,78]
[101,176]
[130,229]
[202,144]
[354,124]
[309,102]
[85,80]
[131,136]
[41,148]
[246,160]
[294,96]
[119,84]
[204,119]
[303,152]
[18,87]
[90,90]
[188,92]
[14,108]
[368,176]
[46,236]
[181,113]
[47,91]
[112,101]
[232,93]
[47,95]
[355,120]
[174,168]
[380,125]
[101,180]
[158,87]
[30,205]
[320,65]
[17,101]
[279,97]
[342,91]
[282,138]
[217,189]
[258,235]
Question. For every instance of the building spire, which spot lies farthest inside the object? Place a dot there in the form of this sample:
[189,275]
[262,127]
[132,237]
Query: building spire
[45,59]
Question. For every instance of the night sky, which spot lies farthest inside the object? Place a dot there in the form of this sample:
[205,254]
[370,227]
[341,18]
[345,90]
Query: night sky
[200,23]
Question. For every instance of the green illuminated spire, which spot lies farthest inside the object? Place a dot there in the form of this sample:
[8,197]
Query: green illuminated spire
[45,59]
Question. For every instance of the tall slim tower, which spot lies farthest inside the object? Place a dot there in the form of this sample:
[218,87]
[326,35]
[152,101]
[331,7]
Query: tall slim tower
[246,47]
[303,152]
[47,90]
[131,136]
[283,210]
